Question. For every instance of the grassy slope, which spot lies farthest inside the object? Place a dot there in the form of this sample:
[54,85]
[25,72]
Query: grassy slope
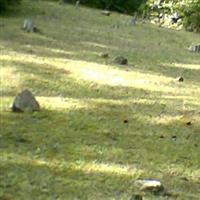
[78,146]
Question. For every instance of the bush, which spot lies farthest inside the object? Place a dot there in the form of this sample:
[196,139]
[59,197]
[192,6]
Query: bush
[6,4]
[124,6]
[192,17]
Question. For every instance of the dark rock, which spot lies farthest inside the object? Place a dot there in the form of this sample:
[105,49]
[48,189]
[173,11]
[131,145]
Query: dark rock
[105,12]
[174,137]
[104,55]
[194,48]
[121,60]
[25,101]
[180,79]
[189,123]
[125,121]
[21,140]
[136,197]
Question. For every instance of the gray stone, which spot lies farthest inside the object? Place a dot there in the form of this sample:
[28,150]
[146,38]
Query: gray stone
[153,186]
[29,26]
[121,60]
[132,21]
[77,4]
[194,48]
[105,12]
[25,101]
[104,55]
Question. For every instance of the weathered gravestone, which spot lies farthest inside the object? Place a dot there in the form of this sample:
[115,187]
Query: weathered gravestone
[194,48]
[153,186]
[29,26]
[25,101]
[104,55]
[121,60]
[77,4]
[105,12]
[132,21]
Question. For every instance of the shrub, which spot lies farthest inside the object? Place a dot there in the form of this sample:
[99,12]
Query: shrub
[192,16]
[6,4]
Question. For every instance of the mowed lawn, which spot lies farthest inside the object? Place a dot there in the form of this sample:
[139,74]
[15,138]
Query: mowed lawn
[101,125]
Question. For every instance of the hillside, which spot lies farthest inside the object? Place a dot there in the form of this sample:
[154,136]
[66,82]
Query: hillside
[101,125]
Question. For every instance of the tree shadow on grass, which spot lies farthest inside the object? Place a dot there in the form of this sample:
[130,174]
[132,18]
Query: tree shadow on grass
[45,80]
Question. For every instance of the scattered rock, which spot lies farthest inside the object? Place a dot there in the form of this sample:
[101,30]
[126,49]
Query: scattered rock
[21,140]
[125,121]
[121,60]
[189,123]
[180,79]
[174,137]
[189,28]
[153,186]
[115,26]
[77,4]
[132,21]
[106,12]
[25,101]
[104,55]
[136,197]
[29,26]
[194,48]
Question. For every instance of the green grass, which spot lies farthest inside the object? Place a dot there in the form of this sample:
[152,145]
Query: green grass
[78,146]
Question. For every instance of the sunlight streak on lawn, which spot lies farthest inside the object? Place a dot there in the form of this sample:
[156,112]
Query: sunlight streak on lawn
[183,65]
[86,167]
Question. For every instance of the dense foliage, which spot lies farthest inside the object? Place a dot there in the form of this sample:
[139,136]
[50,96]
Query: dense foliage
[5,4]
[125,6]
[160,11]
[187,12]
[192,16]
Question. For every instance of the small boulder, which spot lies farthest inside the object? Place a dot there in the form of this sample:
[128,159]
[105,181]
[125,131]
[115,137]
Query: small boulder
[104,55]
[153,186]
[132,21]
[121,60]
[25,101]
[105,12]
[180,79]
[29,26]
[136,197]
[77,4]
[194,48]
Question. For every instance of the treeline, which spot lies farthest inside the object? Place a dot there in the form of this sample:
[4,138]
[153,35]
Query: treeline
[7,4]
[184,13]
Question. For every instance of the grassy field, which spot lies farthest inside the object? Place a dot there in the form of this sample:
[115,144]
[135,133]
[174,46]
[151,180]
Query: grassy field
[101,125]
